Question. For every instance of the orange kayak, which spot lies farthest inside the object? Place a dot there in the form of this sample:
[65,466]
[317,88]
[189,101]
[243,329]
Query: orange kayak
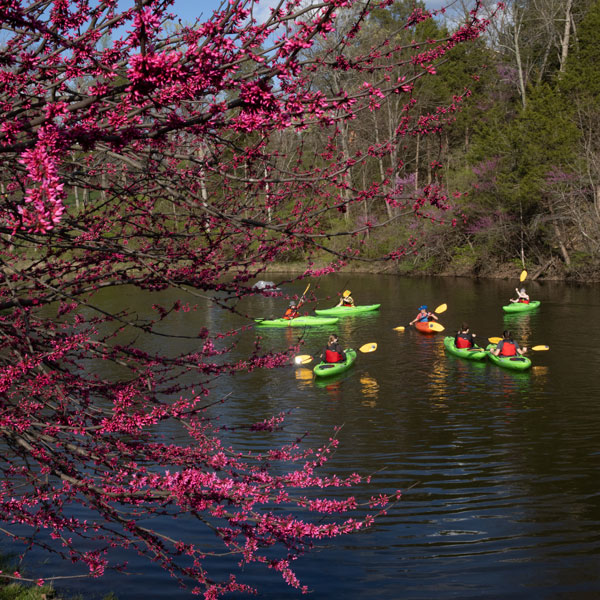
[426,326]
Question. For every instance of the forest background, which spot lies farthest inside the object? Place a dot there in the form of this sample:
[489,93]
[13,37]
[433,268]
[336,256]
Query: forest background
[520,159]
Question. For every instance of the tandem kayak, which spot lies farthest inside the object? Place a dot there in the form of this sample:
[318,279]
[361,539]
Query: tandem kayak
[474,353]
[324,369]
[516,363]
[343,311]
[302,321]
[514,307]
[427,326]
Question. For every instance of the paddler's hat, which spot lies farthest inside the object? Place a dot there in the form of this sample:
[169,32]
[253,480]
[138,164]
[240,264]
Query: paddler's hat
[423,307]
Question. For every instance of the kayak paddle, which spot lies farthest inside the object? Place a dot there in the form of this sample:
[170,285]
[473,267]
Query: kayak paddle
[370,347]
[538,348]
[523,276]
[304,359]
[441,308]
[301,301]
[346,293]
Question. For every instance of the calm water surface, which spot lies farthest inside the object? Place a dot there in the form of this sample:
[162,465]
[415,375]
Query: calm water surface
[499,470]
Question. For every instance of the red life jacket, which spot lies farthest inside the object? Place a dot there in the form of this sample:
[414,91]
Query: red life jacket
[462,341]
[523,301]
[508,349]
[290,313]
[331,356]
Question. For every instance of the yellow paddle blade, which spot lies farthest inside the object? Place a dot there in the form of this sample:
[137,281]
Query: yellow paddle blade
[523,276]
[306,290]
[346,293]
[436,326]
[401,328]
[370,347]
[303,359]
[541,348]
[494,340]
[440,309]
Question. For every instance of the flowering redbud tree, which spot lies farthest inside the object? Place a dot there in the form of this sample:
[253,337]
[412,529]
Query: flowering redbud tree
[138,151]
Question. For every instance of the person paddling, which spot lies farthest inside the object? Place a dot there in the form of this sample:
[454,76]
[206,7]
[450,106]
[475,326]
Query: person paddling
[507,346]
[292,311]
[346,299]
[333,352]
[464,338]
[424,315]
[522,296]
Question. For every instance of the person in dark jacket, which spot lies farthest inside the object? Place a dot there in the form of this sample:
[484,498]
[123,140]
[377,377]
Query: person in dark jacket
[333,351]
[464,338]
[507,346]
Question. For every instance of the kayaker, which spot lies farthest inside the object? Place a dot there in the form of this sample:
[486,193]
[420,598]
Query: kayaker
[346,299]
[424,315]
[291,312]
[464,338]
[507,346]
[522,296]
[333,352]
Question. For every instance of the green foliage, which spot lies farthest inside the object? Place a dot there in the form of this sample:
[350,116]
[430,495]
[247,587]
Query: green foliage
[582,76]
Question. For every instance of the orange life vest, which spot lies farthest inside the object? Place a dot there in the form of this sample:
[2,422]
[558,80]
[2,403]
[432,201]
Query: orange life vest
[290,313]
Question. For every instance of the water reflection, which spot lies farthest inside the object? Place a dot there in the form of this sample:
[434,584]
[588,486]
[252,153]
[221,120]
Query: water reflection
[370,389]
[304,375]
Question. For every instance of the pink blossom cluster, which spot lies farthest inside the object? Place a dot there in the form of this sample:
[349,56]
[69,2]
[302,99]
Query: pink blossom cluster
[150,173]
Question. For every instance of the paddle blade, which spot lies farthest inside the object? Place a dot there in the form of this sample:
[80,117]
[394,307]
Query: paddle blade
[401,328]
[436,326]
[523,276]
[346,293]
[541,348]
[370,347]
[303,359]
[441,308]
[494,340]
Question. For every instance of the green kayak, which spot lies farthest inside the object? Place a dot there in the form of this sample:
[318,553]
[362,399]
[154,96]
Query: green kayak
[521,306]
[302,321]
[342,311]
[516,363]
[475,353]
[324,369]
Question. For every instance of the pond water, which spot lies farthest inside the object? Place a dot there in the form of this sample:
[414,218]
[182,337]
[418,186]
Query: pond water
[499,470]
